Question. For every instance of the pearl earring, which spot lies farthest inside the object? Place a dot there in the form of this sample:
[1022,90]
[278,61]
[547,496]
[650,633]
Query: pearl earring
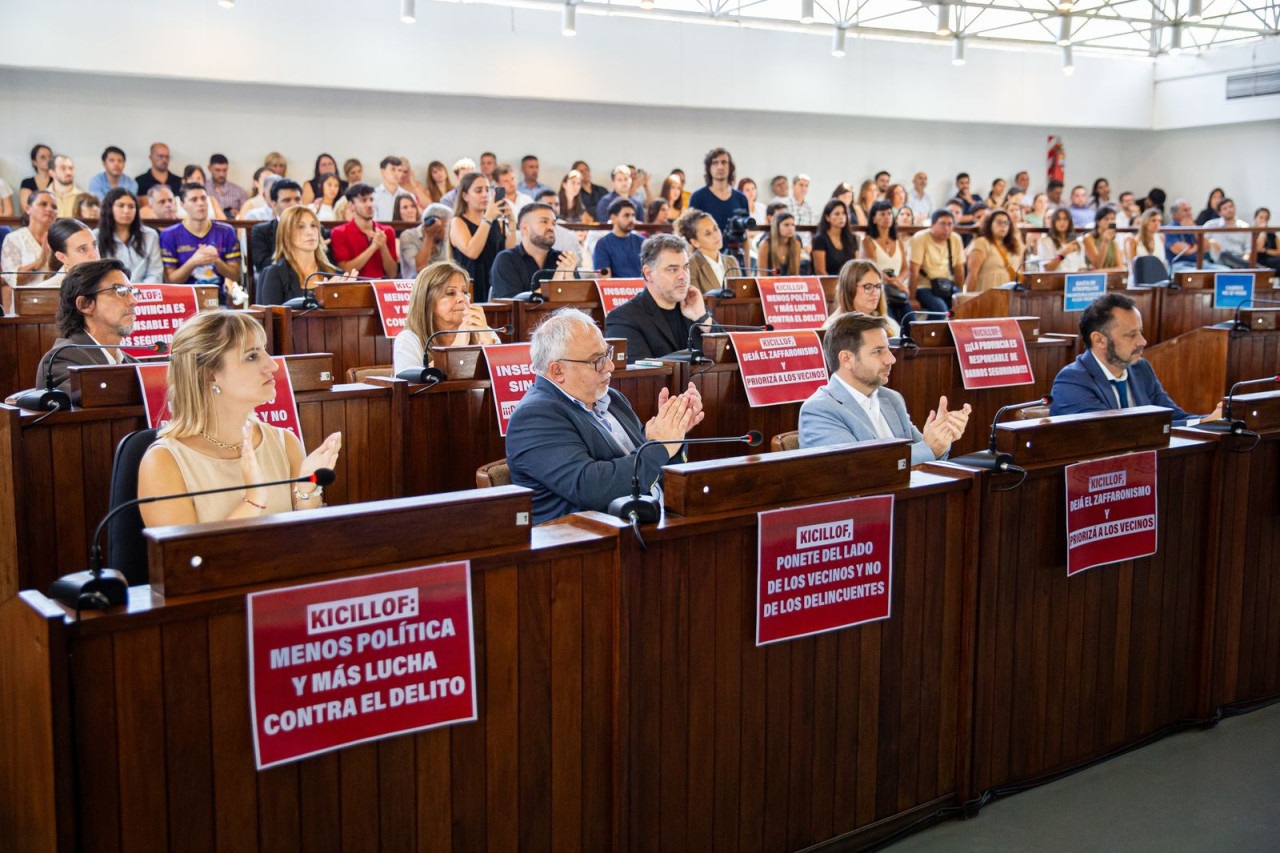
[217,390]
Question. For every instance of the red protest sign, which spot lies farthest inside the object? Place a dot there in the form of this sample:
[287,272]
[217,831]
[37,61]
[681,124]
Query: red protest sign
[779,368]
[510,375]
[392,299]
[793,303]
[349,661]
[161,309]
[281,412]
[823,567]
[992,352]
[615,291]
[1111,510]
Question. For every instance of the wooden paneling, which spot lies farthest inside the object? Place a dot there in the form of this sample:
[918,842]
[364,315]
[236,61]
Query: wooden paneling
[732,746]
[1069,669]
[1197,368]
[23,342]
[171,762]
[1180,311]
[1048,305]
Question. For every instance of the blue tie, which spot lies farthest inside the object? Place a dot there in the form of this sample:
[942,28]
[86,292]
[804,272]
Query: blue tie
[1122,388]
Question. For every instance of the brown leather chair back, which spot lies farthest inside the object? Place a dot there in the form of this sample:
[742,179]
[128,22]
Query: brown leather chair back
[358,374]
[493,474]
[785,441]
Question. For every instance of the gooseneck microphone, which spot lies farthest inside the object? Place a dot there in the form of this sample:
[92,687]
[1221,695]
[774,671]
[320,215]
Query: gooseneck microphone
[1229,424]
[100,587]
[52,399]
[432,375]
[696,357]
[989,459]
[645,509]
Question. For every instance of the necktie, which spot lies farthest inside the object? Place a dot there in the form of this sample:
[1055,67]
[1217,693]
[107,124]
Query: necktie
[1122,389]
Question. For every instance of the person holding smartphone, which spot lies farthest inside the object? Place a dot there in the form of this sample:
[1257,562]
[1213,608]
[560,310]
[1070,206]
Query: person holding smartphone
[484,223]
[1061,249]
[1100,245]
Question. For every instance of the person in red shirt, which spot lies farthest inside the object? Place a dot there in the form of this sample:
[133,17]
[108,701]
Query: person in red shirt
[362,246]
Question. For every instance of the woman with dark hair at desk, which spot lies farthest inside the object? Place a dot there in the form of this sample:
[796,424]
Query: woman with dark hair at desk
[835,243]
[122,235]
[440,302]
[219,372]
[299,254]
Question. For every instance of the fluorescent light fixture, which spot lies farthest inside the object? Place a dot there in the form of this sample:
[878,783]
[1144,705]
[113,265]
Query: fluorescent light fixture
[407,13]
[1068,62]
[1064,30]
[944,20]
[957,51]
[837,42]
[1195,10]
[806,11]
[569,25]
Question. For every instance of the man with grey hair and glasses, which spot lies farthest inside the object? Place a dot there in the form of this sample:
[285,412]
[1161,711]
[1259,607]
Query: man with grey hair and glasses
[572,439]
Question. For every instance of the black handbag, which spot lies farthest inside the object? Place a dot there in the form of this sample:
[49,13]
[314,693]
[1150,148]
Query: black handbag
[943,288]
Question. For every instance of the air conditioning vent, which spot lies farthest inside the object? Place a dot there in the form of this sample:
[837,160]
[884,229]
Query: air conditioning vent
[1253,85]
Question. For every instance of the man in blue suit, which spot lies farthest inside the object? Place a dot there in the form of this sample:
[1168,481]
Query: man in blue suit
[855,406]
[573,439]
[1111,373]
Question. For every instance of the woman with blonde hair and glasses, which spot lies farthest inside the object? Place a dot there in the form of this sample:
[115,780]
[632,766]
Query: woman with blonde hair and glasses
[219,372]
[299,254]
[861,289]
[440,302]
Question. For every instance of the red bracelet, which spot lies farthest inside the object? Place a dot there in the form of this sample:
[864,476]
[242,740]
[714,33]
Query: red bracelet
[252,504]
[1060,257]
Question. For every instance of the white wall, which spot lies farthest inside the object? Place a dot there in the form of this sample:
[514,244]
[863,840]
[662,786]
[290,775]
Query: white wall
[1191,91]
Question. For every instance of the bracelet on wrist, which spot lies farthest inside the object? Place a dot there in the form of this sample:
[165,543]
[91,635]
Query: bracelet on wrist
[311,495]
[255,505]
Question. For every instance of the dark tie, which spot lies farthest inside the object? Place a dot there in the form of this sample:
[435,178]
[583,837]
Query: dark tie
[1122,388]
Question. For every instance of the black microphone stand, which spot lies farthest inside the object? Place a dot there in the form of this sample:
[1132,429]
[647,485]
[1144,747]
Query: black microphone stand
[989,459]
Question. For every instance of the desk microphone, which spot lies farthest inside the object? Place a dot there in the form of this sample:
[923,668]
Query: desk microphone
[645,509]
[431,375]
[1228,424]
[54,400]
[989,459]
[1236,325]
[100,587]
[696,357]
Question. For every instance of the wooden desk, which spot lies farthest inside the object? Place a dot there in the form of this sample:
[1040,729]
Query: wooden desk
[1045,304]
[1198,367]
[925,374]
[846,735]
[59,469]
[1071,669]
[1116,279]
[347,326]
[161,741]
[27,336]
[1245,597]
[1203,279]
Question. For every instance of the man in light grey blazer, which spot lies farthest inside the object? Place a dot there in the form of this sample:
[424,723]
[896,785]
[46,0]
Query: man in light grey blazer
[855,406]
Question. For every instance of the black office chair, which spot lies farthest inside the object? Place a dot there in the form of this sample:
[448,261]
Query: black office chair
[1150,271]
[126,549]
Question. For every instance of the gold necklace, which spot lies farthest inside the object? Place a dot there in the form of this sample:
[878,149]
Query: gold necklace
[236,447]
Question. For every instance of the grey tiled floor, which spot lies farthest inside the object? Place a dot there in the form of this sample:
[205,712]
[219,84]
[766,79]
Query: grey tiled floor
[1211,790]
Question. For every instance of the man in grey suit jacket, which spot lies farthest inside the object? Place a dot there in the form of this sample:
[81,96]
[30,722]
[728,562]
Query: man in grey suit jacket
[95,306]
[572,439]
[855,406]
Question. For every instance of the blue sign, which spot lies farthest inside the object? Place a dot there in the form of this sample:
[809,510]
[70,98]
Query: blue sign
[1082,289]
[1232,288]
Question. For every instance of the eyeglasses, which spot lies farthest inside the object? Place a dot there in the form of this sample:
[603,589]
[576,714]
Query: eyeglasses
[122,290]
[871,288]
[599,363]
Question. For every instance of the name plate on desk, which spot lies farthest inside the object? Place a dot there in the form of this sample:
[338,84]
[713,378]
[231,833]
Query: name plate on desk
[823,567]
[779,367]
[1069,437]
[1111,510]
[342,662]
[1080,289]
[991,353]
[1230,289]
[510,375]
[792,303]
[392,299]
[700,488]
[161,310]
[615,291]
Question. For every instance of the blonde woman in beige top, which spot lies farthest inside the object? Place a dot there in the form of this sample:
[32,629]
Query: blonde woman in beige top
[219,373]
